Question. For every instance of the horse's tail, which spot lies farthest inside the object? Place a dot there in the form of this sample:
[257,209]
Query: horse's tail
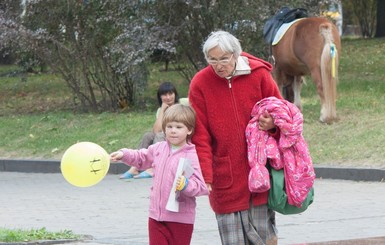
[329,74]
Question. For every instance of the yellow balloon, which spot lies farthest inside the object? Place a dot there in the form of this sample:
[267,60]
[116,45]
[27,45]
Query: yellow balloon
[84,164]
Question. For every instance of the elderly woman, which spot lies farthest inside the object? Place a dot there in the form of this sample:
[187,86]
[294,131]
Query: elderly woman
[223,95]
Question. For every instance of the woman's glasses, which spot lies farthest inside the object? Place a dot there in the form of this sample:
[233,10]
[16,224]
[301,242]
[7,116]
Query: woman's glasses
[223,61]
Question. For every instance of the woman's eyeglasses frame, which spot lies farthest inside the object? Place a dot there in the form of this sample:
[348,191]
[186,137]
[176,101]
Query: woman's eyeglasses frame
[223,62]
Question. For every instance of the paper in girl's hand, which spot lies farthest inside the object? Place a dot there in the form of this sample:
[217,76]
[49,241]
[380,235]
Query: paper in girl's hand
[185,167]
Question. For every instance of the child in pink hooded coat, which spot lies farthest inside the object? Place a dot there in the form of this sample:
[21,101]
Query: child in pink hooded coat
[169,227]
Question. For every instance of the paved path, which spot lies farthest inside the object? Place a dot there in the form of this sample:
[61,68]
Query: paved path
[115,211]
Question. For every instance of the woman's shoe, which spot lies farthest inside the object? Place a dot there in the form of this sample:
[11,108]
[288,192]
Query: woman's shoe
[126,175]
[143,175]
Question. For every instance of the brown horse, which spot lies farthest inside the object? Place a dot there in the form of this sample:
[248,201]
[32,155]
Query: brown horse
[311,46]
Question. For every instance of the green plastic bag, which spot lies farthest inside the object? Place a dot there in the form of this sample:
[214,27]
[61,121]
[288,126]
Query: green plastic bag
[277,195]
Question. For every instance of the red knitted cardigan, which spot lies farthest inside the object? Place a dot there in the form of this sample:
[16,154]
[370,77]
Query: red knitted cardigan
[223,109]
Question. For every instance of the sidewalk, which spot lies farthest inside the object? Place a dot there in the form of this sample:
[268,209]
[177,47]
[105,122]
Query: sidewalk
[115,211]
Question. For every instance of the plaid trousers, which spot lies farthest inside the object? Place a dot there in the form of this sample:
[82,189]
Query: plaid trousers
[255,226]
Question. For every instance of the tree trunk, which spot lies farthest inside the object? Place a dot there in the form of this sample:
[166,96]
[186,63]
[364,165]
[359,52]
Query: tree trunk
[380,30]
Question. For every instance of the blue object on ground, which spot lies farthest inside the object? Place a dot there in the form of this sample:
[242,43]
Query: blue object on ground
[126,175]
[143,175]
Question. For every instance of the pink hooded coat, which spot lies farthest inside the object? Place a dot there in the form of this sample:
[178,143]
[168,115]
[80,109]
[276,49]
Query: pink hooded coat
[164,164]
[289,152]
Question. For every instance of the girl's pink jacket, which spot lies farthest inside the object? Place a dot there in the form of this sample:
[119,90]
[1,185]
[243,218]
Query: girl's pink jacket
[289,151]
[164,163]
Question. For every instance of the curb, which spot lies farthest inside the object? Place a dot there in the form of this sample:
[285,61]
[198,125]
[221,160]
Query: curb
[359,241]
[323,172]
[50,242]
[356,174]
[46,166]
[41,242]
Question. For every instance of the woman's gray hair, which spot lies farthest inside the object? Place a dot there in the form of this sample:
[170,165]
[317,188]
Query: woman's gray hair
[226,42]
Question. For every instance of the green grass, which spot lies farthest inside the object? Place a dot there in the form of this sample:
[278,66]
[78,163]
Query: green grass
[359,136]
[33,94]
[48,135]
[35,121]
[20,235]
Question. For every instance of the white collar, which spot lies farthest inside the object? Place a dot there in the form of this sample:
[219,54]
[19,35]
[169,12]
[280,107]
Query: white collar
[242,67]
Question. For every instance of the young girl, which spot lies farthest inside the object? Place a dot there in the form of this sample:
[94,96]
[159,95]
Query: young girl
[168,227]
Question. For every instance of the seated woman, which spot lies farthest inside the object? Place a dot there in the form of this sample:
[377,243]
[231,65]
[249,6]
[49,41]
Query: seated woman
[167,96]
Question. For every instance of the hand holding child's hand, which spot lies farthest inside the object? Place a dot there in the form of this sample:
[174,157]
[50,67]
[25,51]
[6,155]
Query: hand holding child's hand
[209,188]
[181,183]
[116,156]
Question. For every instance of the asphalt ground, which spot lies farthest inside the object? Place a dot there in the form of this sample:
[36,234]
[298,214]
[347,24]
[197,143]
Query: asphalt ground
[115,211]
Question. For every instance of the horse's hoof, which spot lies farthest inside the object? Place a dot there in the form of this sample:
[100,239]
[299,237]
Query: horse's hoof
[328,121]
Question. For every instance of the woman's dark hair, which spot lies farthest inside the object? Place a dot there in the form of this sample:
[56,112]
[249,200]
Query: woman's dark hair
[165,88]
